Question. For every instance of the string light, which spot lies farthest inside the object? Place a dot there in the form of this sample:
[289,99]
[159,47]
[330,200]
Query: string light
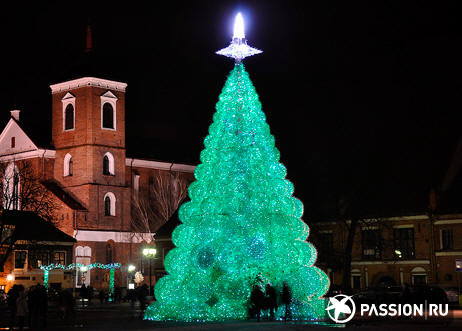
[84,268]
[242,226]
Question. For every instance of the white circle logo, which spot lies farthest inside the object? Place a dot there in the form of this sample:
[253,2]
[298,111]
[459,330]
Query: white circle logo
[341,304]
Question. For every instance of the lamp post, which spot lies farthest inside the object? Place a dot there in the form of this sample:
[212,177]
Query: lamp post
[150,253]
[131,268]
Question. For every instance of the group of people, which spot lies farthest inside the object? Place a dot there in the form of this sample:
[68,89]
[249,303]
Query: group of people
[268,301]
[32,304]
[138,294]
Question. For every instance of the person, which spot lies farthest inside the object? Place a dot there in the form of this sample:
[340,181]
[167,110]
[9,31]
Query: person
[33,306]
[21,307]
[11,301]
[101,296]
[67,304]
[286,299]
[83,294]
[271,300]
[89,294]
[257,299]
[131,295]
[42,302]
[142,293]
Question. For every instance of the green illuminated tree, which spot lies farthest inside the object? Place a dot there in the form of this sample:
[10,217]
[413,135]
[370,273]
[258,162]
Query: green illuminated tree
[242,224]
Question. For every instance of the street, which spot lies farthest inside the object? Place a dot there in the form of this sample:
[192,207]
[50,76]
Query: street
[118,317]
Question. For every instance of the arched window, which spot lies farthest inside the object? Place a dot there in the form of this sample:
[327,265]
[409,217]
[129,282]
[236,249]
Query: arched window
[67,165]
[108,253]
[108,116]
[69,117]
[109,204]
[11,187]
[108,164]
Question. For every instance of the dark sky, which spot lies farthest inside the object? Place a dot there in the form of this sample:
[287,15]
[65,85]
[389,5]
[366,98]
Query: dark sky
[363,97]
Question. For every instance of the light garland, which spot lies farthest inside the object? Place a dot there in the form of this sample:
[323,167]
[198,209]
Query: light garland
[111,266]
[242,226]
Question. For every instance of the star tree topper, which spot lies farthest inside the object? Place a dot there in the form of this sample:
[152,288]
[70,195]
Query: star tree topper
[238,49]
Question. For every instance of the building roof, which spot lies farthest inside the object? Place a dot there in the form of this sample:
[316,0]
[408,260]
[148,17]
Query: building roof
[31,227]
[63,195]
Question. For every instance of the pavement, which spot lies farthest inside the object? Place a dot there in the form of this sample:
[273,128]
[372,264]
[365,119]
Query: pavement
[119,316]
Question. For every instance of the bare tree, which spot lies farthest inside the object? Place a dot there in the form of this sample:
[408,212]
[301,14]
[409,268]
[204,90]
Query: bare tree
[21,189]
[372,234]
[155,204]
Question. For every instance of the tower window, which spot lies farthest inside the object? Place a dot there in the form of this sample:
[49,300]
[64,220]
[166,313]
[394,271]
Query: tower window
[68,165]
[108,164]
[108,253]
[109,204]
[13,142]
[69,117]
[108,116]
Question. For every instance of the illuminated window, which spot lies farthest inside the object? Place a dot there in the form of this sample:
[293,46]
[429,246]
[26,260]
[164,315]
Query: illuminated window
[404,243]
[60,258]
[41,258]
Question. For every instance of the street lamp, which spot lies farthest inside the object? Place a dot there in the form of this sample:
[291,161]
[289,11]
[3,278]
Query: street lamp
[131,285]
[150,253]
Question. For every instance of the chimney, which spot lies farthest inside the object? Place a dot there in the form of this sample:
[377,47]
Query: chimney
[15,114]
[89,43]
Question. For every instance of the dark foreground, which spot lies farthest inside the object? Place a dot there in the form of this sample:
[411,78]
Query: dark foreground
[119,317]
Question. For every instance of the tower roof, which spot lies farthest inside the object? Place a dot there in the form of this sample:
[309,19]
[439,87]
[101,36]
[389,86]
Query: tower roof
[88,81]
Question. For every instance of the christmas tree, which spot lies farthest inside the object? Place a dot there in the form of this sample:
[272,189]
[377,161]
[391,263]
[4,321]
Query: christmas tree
[242,227]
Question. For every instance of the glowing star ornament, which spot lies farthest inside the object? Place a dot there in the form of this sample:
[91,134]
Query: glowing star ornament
[242,226]
[238,49]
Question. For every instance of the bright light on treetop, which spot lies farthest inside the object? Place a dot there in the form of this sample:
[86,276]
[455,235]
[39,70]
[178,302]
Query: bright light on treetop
[239,27]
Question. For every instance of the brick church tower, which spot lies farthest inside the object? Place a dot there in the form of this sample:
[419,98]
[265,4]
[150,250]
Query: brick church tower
[88,130]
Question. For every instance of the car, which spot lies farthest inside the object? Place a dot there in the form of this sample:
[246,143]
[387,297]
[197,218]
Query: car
[453,294]
[429,294]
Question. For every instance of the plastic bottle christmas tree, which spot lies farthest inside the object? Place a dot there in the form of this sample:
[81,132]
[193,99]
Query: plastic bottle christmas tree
[242,226]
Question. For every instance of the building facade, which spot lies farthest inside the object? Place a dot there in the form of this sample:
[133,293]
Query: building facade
[414,250]
[89,174]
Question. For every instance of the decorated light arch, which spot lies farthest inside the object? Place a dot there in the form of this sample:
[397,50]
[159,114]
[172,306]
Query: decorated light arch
[111,266]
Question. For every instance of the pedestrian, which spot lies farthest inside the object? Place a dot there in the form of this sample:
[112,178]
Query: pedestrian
[21,307]
[142,293]
[13,294]
[42,302]
[257,300]
[33,306]
[89,294]
[286,300]
[83,294]
[69,304]
[101,296]
[132,297]
[270,300]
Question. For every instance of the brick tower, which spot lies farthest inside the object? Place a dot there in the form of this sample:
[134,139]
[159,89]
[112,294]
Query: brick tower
[88,130]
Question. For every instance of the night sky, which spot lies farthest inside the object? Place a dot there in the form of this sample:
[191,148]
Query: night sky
[363,97]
